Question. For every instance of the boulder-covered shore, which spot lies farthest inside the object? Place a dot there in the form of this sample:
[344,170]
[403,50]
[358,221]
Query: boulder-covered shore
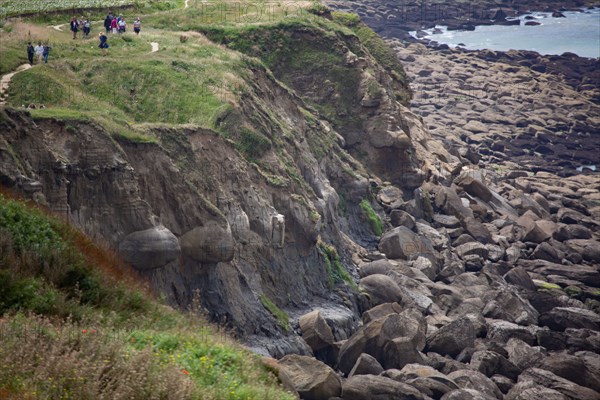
[487,286]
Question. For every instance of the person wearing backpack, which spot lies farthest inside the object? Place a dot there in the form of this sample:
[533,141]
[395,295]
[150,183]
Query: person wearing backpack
[46,52]
[30,53]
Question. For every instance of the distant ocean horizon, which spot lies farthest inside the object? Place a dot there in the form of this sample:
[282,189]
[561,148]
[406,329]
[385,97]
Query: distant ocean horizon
[578,33]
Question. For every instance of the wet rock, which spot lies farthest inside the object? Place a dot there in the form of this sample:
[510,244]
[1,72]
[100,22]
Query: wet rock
[452,338]
[519,277]
[545,251]
[588,248]
[551,340]
[503,383]
[582,368]
[403,243]
[549,380]
[567,232]
[503,331]
[366,365]
[582,339]
[377,339]
[381,311]
[402,218]
[476,229]
[469,379]
[508,305]
[475,187]
[523,355]
[375,267]
[367,387]
[315,331]
[400,351]
[561,318]
[532,230]
[380,289]
[490,363]
[466,394]
[312,379]
[528,390]
[447,221]
[472,248]
[150,248]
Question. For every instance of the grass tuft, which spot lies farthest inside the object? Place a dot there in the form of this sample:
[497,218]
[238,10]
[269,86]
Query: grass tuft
[371,215]
[281,316]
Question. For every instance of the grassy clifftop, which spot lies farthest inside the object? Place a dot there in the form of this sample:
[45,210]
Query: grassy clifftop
[76,326]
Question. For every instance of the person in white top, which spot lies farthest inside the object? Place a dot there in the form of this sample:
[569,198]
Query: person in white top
[39,52]
[137,26]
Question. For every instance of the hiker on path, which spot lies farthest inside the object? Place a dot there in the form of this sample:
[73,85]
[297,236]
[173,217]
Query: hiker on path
[137,26]
[108,21]
[74,27]
[39,52]
[87,25]
[114,25]
[103,43]
[30,53]
[122,25]
[46,52]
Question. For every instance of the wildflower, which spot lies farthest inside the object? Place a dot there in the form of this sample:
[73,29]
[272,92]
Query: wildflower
[84,331]
[185,371]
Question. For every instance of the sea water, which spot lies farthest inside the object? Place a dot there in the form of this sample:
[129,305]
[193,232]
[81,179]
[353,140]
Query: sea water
[578,33]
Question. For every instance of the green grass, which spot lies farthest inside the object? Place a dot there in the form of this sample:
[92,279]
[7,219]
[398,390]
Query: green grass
[372,217]
[75,324]
[335,269]
[281,316]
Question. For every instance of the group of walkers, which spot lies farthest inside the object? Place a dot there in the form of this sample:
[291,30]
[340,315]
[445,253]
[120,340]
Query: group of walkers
[82,24]
[111,24]
[118,24]
[41,52]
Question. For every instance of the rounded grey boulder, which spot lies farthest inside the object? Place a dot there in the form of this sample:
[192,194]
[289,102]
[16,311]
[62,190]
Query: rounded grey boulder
[208,243]
[151,248]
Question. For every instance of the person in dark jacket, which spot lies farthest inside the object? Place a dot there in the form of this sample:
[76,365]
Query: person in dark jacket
[74,27]
[108,21]
[103,43]
[30,53]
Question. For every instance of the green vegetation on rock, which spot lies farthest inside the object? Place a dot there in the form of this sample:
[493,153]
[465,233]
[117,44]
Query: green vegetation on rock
[371,215]
[335,269]
[281,316]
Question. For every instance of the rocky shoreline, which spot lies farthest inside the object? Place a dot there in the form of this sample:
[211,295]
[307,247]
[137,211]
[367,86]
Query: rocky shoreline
[487,286]
[393,19]
[506,112]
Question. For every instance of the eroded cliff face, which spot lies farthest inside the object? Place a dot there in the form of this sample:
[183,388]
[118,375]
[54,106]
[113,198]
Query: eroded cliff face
[256,212]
